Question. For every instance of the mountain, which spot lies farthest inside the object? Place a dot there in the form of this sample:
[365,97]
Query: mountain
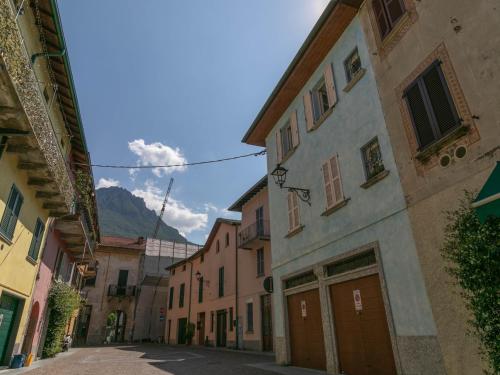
[123,214]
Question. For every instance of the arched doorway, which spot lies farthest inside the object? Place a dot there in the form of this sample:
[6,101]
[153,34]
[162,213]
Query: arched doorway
[30,332]
[115,326]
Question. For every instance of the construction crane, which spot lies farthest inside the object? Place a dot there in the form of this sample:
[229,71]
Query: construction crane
[155,233]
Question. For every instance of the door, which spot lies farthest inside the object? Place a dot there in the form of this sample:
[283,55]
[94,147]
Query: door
[122,282]
[221,328]
[8,311]
[201,328]
[363,340]
[181,331]
[305,327]
[267,323]
[83,325]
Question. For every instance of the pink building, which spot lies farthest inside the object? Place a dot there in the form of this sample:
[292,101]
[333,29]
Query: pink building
[220,289]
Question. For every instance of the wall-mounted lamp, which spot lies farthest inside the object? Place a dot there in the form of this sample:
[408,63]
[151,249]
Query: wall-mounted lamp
[198,275]
[279,175]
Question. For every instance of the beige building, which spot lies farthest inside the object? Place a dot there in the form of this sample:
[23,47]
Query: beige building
[436,65]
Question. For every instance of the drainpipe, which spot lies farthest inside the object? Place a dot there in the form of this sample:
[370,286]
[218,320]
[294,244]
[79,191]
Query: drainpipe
[35,56]
[236,310]
[190,291]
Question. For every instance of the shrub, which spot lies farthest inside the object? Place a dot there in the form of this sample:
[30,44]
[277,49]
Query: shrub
[473,249]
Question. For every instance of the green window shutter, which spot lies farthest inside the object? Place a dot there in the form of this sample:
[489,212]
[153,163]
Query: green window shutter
[250,317]
[36,241]
[11,213]
[420,116]
[181,296]
[171,298]
[221,282]
[200,290]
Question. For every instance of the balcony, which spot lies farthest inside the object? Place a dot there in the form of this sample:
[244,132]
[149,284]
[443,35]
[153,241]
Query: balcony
[121,291]
[253,235]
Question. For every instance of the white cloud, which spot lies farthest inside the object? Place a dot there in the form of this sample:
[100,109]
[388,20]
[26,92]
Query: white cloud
[158,154]
[107,182]
[176,213]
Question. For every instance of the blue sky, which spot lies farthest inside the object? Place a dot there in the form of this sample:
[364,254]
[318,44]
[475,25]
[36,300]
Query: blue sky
[162,81]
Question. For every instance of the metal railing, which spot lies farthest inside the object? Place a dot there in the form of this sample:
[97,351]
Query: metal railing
[121,291]
[259,230]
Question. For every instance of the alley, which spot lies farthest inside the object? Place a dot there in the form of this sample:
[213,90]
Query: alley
[160,359]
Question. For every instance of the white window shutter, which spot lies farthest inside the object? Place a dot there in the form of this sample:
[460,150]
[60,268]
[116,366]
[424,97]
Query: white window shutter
[279,152]
[295,129]
[308,108]
[296,221]
[338,194]
[330,85]
[290,212]
[327,179]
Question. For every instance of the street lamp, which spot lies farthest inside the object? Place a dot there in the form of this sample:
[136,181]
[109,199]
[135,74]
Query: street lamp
[198,275]
[279,175]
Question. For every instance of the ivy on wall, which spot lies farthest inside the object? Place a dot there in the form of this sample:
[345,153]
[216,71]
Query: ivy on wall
[63,301]
[473,250]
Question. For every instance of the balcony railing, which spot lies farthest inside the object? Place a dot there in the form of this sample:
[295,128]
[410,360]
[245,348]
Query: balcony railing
[121,291]
[258,231]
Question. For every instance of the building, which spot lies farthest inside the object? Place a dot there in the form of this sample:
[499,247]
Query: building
[109,315]
[436,66]
[349,295]
[41,147]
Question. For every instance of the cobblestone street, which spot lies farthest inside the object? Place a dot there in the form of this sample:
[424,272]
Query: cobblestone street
[158,359]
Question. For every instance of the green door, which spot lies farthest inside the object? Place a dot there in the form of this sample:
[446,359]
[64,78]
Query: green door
[8,308]
[181,331]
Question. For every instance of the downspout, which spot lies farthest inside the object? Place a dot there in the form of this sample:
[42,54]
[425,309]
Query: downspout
[236,310]
[190,291]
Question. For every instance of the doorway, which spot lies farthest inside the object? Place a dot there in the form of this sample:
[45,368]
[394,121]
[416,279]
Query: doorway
[363,339]
[83,325]
[221,328]
[115,326]
[30,332]
[181,331]
[201,328]
[267,323]
[8,313]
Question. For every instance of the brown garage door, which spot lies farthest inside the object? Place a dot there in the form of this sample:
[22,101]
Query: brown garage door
[363,340]
[306,330]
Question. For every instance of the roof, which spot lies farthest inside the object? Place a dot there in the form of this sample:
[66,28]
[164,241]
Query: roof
[218,222]
[122,242]
[325,33]
[249,194]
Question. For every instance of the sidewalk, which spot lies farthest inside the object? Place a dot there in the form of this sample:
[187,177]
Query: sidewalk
[286,370]
[38,364]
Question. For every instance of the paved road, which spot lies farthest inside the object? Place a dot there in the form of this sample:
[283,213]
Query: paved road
[160,360]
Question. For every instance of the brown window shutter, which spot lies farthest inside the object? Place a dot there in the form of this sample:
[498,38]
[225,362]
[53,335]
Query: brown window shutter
[338,194]
[279,152]
[308,108]
[382,21]
[290,211]
[420,117]
[296,221]
[395,10]
[330,85]
[327,180]
[295,129]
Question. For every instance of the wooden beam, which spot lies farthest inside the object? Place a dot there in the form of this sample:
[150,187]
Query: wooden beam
[11,132]
[20,148]
[29,166]
[46,194]
[52,205]
[39,181]
[6,110]
[57,213]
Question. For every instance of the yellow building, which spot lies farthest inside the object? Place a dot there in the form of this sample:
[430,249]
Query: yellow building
[41,146]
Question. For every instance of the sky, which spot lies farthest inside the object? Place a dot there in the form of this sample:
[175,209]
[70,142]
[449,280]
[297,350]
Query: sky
[174,81]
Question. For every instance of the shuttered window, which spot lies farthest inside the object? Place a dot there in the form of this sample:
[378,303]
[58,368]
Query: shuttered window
[171,298]
[387,14]
[221,282]
[287,138]
[293,211]
[36,241]
[200,290]
[260,262]
[332,182]
[11,213]
[249,317]
[431,106]
[181,295]
[321,98]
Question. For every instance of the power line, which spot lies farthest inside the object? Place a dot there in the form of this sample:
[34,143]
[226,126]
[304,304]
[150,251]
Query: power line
[260,153]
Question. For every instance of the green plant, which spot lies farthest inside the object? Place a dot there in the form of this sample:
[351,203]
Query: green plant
[190,330]
[473,249]
[63,301]
[85,191]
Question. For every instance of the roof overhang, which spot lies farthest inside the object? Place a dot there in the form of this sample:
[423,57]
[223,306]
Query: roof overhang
[249,194]
[330,26]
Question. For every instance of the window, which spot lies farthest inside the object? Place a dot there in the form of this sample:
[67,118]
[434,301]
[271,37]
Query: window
[332,181]
[202,258]
[302,279]
[171,298]
[349,264]
[231,317]
[431,107]
[287,137]
[90,281]
[249,317]
[221,282]
[183,267]
[11,213]
[217,246]
[372,158]
[227,239]
[181,295]
[320,99]
[352,65]
[259,220]
[387,14]
[260,262]
[3,144]
[212,321]
[173,271]
[58,264]
[200,290]
[293,212]
[36,241]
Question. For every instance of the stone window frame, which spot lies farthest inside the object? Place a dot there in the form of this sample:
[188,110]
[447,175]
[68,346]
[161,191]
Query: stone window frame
[468,133]
[385,45]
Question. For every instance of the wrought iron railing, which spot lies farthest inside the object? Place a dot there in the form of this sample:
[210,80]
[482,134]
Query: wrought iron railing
[259,230]
[121,291]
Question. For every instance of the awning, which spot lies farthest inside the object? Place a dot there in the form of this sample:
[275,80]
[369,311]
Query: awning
[487,202]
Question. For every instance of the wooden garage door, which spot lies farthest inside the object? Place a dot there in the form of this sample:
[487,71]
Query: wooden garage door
[306,330]
[363,340]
